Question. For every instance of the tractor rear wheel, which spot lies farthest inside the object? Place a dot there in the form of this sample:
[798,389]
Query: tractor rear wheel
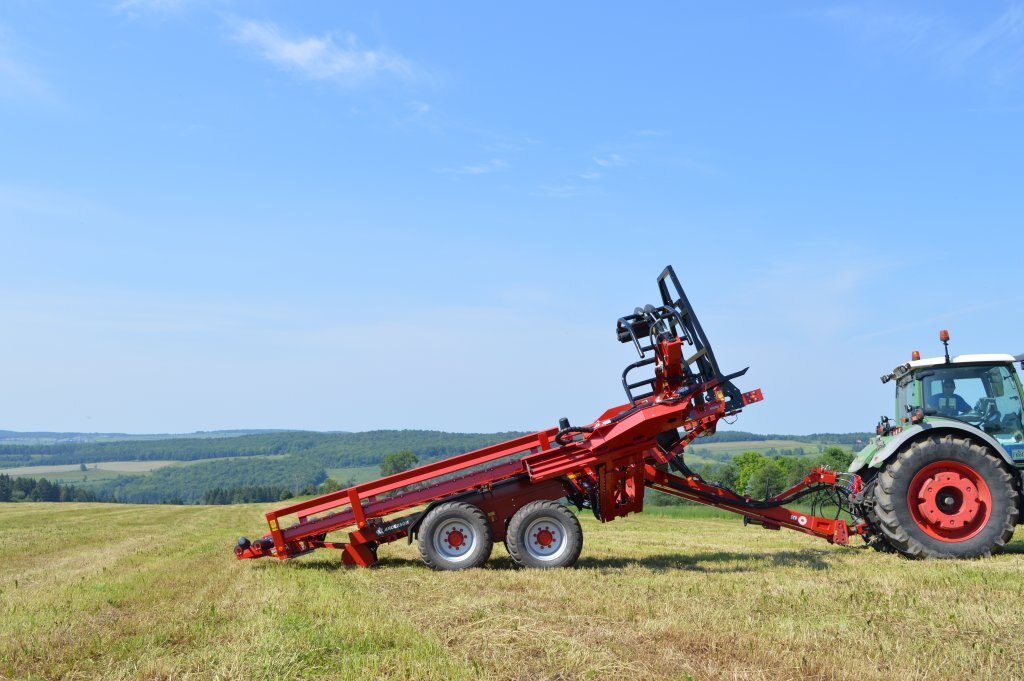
[455,536]
[876,539]
[544,534]
[946,497]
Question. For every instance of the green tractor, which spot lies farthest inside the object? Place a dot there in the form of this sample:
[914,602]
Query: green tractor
[943,479]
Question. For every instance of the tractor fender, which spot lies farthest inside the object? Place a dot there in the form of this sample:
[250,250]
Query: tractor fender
[886,450]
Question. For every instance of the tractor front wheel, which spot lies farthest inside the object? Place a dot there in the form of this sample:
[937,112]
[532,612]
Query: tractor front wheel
[946,497]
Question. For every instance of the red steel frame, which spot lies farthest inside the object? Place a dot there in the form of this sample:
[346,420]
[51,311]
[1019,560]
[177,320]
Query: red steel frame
[606,465]
[615,462]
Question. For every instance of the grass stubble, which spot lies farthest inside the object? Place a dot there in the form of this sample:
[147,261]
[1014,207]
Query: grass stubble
[95,591]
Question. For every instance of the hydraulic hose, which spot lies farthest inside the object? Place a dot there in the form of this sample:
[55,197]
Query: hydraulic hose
[569,430]
[750,503]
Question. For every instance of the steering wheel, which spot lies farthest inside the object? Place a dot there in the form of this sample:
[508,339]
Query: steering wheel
[973,418]
[985,413]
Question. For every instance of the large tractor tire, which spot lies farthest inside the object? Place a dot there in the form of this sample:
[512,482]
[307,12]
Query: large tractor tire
[946,497]
[455,536]
[544,534]
[876,539]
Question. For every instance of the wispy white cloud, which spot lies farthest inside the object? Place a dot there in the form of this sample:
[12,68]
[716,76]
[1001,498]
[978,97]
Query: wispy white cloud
[599,166]
[324,58]
[18,80]
[1008,27]
[420,108]
[825,286]
[905,28]
[608,161]
[995,50]
[1000,44]
[492,166]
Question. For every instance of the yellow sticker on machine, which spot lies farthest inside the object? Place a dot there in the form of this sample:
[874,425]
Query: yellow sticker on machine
[273,525]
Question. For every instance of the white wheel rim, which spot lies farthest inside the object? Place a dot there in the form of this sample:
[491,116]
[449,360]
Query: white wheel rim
[545,539]
[455,540]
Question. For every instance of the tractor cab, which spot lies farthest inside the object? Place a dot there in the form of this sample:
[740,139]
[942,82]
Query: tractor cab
[943,480]
[983,391]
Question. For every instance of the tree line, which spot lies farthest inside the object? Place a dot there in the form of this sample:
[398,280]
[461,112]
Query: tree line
[189,483]
[266,493]
[32,489]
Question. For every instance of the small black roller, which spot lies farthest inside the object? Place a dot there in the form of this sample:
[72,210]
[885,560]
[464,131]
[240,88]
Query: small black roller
[243,543]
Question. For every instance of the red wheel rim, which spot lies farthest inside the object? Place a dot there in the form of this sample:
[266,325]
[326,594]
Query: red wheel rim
[949,501]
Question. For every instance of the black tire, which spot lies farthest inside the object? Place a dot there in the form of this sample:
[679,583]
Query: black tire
[876,539]
[904,527]
[544,534]
[437,545]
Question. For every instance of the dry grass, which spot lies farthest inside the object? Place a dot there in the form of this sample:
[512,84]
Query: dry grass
[153,592]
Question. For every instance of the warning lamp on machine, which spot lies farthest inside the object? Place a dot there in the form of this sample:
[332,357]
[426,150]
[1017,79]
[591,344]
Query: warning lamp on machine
[944,337]
[915,355]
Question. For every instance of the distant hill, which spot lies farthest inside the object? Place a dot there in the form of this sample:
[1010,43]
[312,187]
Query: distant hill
[11,437]
[334,449]
[185,468]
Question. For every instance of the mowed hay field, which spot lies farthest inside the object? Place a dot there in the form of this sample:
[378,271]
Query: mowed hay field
[93,591]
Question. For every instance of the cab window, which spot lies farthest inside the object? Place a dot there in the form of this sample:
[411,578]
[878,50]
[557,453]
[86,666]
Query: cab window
[985,396]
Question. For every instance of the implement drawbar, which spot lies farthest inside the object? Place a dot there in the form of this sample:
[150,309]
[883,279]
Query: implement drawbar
[459,506]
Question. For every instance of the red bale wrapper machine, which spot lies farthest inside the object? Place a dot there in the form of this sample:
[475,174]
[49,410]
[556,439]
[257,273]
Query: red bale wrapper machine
[456,508]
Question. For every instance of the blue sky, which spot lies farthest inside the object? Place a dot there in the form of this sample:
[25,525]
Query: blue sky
[343,216]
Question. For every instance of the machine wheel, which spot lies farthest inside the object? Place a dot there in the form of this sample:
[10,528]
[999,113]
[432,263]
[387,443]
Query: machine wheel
[877,539]
[544,534]
[455,536]
[946,497]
